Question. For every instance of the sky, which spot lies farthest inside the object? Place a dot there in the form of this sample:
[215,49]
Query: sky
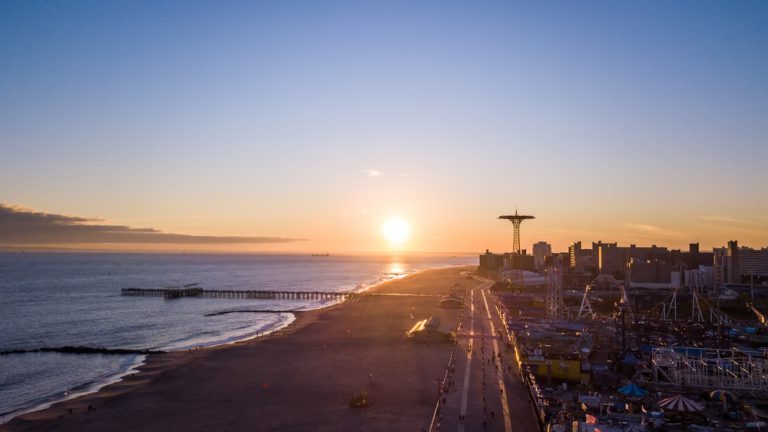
[313,123]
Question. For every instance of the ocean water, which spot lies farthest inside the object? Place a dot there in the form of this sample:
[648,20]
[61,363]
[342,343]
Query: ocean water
[73,299]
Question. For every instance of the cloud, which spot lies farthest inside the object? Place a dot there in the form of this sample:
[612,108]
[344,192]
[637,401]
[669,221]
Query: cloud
[719,218]
[372,172]
[21,226]
[403,174]
[642,227]
[654,232]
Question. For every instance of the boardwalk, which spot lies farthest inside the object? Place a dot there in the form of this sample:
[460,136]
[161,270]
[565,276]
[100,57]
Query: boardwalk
[174,293]
[486,393]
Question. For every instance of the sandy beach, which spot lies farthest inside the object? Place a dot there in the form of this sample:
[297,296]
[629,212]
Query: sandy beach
[299,379]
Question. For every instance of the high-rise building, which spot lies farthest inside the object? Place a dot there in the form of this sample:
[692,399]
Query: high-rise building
[719,267]
[700,278]
[740,265]
[609,257]
[650,274]
[541,251]
[579,258]
[574,250]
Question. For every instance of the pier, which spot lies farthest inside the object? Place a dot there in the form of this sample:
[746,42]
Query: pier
[174,293]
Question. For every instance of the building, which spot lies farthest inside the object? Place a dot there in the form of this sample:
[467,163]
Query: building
[700,278]
[734,265]
[650,274]
[580,259]
[610,258]
[645,253]
[557,257]
[541,251]
[692,259]
[553,353]
[719,267]
[491,263]
[519,261]
[574,250]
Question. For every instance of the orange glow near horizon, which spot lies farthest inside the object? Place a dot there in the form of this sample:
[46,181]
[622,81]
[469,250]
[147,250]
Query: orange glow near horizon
[397,231]
[371,221]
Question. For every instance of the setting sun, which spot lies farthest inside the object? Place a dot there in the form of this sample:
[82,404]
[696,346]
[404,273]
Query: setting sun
[396,230]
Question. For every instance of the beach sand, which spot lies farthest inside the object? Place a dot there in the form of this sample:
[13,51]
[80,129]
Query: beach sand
[299,379]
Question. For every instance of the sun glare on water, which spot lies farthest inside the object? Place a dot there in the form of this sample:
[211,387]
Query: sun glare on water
[396,231]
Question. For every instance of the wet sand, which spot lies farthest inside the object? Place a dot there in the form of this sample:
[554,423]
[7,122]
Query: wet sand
[300,379]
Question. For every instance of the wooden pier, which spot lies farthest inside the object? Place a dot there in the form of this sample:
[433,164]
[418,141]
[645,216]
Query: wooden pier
[174,293]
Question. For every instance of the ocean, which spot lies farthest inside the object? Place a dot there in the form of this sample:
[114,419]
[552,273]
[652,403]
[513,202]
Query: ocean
[73,299]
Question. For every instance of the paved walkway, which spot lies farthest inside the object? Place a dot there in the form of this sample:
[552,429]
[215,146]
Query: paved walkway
[485,392]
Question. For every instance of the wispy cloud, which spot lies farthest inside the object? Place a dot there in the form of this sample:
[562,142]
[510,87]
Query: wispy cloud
[642,227]
[404,174]
[22,226]
[653,232]
[721,218]
[372,172]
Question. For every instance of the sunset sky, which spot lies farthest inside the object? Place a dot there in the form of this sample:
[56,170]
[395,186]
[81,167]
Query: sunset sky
[308,125]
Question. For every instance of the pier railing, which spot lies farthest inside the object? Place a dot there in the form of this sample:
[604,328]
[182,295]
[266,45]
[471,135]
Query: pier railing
[174,293]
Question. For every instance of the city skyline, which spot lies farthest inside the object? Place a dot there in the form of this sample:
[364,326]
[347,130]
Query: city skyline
[630,123]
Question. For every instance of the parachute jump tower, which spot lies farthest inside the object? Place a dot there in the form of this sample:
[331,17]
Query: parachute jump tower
[516,221]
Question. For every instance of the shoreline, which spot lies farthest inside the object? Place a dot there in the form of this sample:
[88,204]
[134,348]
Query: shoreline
[92,387]
[79,391]
[149,365]
[98,383]
[144,367]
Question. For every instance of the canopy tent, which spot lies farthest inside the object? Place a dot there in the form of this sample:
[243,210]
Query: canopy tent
[428,330]
[722,396]
[633,390]
[680,403]
[629,359]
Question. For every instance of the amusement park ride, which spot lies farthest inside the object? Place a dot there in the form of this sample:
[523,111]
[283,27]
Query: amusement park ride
[736,369]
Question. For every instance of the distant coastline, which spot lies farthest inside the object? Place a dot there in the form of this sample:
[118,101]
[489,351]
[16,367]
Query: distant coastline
[46,249]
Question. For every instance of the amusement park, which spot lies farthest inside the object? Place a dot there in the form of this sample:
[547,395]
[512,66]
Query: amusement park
[601,346]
